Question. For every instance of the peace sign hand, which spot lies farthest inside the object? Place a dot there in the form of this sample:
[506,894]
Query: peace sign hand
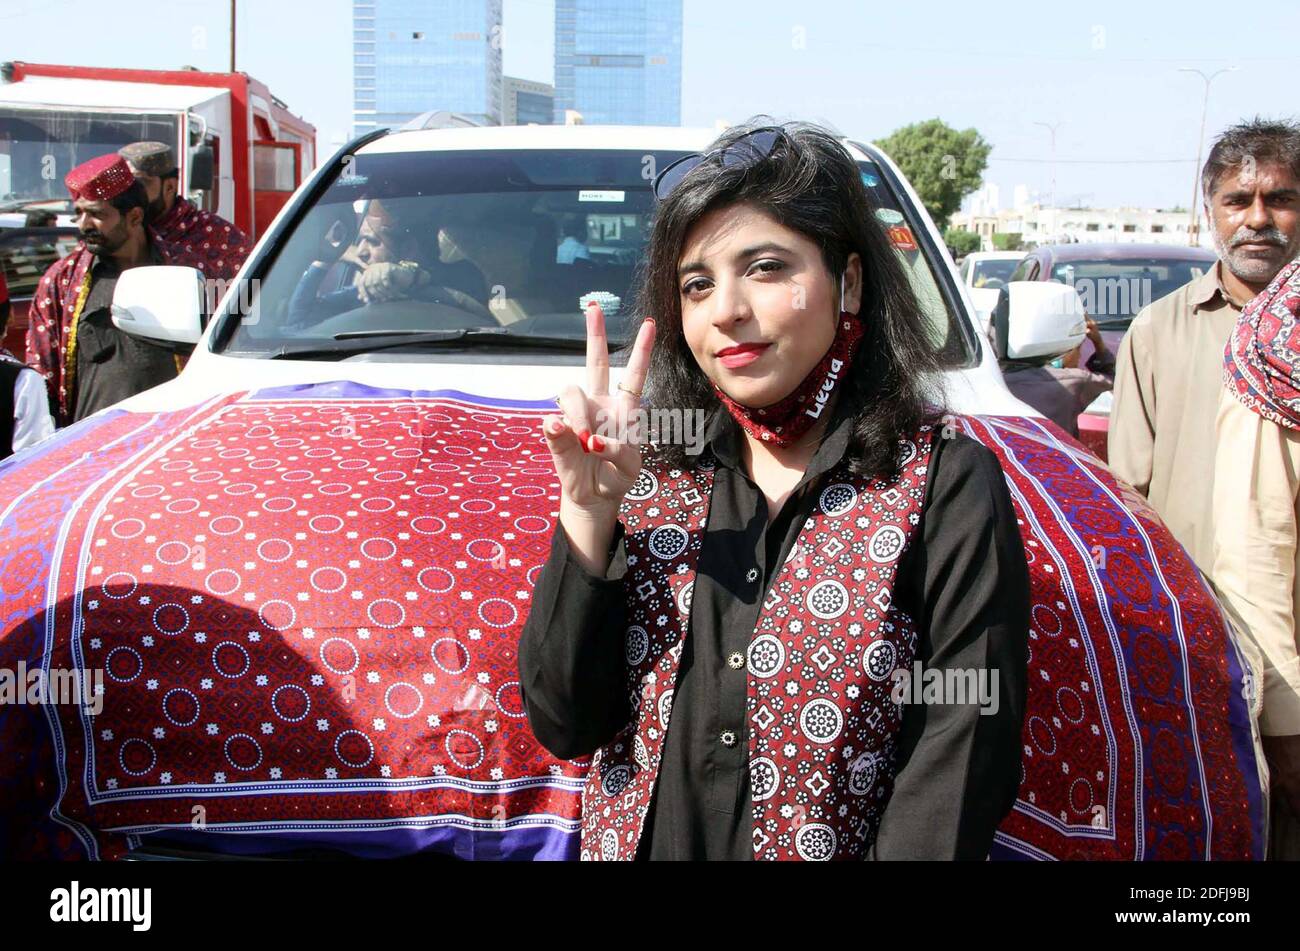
[596,471]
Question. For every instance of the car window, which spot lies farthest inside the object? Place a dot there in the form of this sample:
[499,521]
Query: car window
[1113,291]
[26,253]
[37,141]
[514,239]
[994,274]
[902,224]
[1026,270]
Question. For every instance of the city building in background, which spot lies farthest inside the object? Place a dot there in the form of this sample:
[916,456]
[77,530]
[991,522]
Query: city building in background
[1033,223]
[618,62]
[411,57]
[526,102]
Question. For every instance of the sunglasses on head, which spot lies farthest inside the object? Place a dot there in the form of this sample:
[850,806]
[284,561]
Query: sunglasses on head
[750,147]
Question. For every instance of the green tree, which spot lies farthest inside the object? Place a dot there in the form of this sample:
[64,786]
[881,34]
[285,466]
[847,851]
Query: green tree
[1008,241]
[961,240]
[943,165]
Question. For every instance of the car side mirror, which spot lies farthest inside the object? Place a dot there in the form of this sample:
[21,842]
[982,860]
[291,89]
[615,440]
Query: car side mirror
[1038,319]
[162,303]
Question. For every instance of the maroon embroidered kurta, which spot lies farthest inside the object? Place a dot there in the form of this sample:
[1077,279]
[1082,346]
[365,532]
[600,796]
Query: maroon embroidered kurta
[207,237]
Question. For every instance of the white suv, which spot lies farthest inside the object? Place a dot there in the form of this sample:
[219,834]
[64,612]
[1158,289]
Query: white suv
[302,566]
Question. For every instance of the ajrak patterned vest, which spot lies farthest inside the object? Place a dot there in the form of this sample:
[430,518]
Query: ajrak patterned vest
[822,724]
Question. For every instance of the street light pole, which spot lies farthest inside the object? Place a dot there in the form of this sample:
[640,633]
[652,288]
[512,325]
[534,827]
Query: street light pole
[232,35]
[1193,227]
[1052,129]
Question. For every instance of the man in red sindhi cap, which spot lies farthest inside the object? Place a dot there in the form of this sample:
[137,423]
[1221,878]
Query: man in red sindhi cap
[176,220]
[87,362]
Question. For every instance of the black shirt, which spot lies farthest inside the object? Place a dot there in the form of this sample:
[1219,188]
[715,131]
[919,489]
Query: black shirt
[113,364]
[964,578]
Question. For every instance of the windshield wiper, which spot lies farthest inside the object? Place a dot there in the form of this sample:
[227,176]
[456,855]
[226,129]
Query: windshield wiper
[355,342]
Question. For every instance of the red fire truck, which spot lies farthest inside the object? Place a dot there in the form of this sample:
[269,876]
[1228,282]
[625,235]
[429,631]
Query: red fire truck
[241,151]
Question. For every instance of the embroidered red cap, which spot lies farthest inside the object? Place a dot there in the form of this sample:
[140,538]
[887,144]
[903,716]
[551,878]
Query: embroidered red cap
[100,179]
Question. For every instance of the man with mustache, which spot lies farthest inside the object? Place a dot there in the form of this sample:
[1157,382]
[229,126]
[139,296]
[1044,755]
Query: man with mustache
[87,362]
[1168,373]
[175,219]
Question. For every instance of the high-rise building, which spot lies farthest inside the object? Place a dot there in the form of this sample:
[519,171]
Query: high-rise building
[413,56]
[526,101]
[619,62]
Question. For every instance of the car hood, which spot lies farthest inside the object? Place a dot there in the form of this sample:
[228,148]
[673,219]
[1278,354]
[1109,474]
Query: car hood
[305,603]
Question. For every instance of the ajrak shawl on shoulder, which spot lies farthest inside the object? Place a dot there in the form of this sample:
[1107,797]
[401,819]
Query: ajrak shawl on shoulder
[1262,359]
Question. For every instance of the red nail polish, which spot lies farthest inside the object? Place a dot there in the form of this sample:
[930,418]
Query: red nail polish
[597,444]
[584,435]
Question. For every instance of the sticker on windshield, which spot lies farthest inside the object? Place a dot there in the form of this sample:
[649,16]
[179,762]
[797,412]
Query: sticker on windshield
[609,303]
[870,180]
[900,236]
[889,216]
[593,194]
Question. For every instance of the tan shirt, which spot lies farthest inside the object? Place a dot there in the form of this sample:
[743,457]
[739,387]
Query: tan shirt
[1167,380]
[1256,556]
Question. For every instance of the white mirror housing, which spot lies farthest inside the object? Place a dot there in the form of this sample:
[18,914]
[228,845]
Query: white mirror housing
[161,302]
[1039,319]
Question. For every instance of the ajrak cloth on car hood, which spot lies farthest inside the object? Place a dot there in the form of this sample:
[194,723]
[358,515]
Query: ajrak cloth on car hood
[307,604]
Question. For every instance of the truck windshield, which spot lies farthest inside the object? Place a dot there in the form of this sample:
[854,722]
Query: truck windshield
[511,241]
[39,146]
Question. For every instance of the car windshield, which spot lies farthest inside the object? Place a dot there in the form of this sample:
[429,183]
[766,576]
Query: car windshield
[39,146]
[507,243]
[994,273]
[1113,291]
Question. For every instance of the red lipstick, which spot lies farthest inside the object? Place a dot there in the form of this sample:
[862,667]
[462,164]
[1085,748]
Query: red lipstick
[741,354]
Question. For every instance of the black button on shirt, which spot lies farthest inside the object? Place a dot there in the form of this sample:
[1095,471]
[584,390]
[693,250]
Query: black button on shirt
[964,578]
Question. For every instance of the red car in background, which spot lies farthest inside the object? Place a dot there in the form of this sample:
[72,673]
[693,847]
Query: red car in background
[1115,281]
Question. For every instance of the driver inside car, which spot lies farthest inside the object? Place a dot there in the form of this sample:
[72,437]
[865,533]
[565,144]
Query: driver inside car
[398,260]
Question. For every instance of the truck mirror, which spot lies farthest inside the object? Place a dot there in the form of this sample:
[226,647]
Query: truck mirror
[162,303]
[201,165]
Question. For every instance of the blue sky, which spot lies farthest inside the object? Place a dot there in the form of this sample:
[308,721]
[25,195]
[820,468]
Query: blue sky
[1105,71]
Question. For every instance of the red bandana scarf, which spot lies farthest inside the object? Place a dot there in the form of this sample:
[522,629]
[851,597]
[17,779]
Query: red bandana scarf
[1262,359]
[783,422]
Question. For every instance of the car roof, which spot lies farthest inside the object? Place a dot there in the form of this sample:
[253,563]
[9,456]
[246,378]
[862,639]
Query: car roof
[996,255]
[1117,251]
[621,137]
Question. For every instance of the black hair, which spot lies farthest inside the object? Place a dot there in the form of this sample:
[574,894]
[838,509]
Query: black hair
[1262,141]
[134,197]
[812,185]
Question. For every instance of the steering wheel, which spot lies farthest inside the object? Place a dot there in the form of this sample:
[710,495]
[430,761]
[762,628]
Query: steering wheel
[450,296]
[404,315]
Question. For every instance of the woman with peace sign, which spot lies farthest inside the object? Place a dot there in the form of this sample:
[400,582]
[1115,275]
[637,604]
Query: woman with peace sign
[805,638]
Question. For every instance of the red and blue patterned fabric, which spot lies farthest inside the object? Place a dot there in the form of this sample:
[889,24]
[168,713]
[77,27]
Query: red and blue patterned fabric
[823,725]
[306,604]
[1261,363]
[217,246]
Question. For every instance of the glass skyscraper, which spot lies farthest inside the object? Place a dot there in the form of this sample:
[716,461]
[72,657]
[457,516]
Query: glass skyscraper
[414,56]
[619,62]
